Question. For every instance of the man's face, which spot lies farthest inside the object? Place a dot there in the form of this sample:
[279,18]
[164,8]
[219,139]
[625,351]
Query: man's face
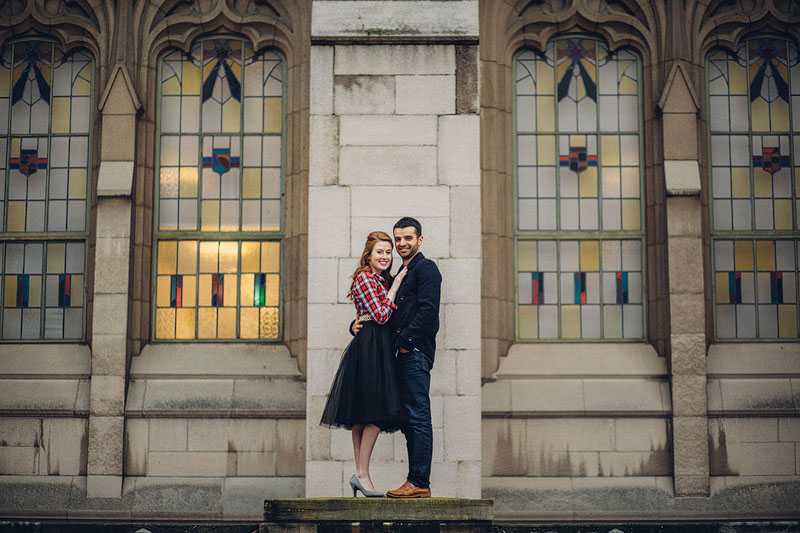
[406,241]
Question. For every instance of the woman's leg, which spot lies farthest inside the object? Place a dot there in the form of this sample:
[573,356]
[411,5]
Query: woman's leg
[368,437]
[358,429]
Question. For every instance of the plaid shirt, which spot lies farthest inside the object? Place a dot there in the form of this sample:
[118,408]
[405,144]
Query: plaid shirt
[369,295]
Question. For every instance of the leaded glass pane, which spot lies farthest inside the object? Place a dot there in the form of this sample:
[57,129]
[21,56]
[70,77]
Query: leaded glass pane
[220,171]
[754,184]
[578,170]
[45,118]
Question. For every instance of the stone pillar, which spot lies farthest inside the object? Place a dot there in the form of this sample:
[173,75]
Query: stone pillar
[394,132]
[679,105]
[118,106]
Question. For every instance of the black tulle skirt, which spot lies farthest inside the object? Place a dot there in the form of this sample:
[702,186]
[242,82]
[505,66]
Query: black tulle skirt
[364,390]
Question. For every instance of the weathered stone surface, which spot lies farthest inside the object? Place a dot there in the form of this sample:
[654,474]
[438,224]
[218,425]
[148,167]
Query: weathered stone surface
[136,447]
[503,447]
[252,464]
[641,434]
[392,59]
[168,434]
[422,201]
[756,394]
[387,165]
[323,159]
[738,358]
[329,229]
[191,464]
[364,95]
[324,479]
[321,80]
[251,435]
[688,354]
[573,434]
[687,313]
[461,326]
[459,150]
[19,460]
[113,218]
[107,395]
[689,395]
[468,372]
[42,394]
[45,359]
[387,130]
[685,260]
[290,447]
[330,325]
[108,354]
[425,95]
[462,428]
[110,314]
[105,445]
[459,281]
[683,216]
[443,375]
[464,215]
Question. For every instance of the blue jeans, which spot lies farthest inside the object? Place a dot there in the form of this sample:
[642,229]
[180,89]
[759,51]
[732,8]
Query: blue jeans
[414,373]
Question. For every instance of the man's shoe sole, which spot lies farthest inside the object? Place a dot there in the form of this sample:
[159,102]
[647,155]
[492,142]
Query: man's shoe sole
[410,497]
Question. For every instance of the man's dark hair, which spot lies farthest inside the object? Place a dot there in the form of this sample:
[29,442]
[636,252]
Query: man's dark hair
[408,222]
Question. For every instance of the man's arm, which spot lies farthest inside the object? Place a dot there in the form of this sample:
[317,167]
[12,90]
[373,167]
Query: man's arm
[426,320]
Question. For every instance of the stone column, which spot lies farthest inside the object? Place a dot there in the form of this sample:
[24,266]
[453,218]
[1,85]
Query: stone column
[118,106]
[394,132]
[679,105]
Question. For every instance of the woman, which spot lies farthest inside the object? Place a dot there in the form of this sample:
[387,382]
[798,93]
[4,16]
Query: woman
[364,396]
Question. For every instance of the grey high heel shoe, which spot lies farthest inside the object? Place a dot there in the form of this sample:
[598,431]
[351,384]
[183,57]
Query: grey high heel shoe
[356,486]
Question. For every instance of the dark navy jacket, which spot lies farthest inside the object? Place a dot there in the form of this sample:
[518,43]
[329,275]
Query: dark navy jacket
[416,320]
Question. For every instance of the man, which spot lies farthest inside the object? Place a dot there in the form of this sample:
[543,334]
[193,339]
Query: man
[414,325]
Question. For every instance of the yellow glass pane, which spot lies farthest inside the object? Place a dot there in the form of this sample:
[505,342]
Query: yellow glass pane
[270,257]
[723,295]
[191,79]
[15,144]
[737,78]
[60,114]
[184,327]
[631,218]
[590,256]
[229,294]
[204,290]
[762,183]
[251,183]
[250,256]
[188,180]
[163,288]
[627,86]
[526,256]
[528,321]
[609,156]
[5,82]
[765,256]
[208,256]
[544,78]
[228,256]
[246,285]
[759,111]
[612,321]
[248,325]
[165,323]
[187,257]
[81,85]
[226,323]
[545,113]
[787,321]
[577,140]
[269,323]
[167,257]
[189,291]
[10,291]
[743,255]
[16,216]
[783,214]
[207,323]
[230,116]
[571,322]
[779,109]
[272,115]
[546,150]
[236,66]
[77,183]
[272,289]
[210,215]
[171,86]
[55,258]
[76,291]
[588,183]
[35,291]
[740,182]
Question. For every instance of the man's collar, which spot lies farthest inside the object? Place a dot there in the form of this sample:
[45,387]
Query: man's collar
[416,259]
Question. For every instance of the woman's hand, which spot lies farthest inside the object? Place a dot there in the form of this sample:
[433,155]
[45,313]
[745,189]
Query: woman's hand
[398,280]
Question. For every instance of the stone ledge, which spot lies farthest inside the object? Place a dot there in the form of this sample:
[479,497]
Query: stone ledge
[45,360]
[44,397]
[737,359]
[754,396]
[377,509]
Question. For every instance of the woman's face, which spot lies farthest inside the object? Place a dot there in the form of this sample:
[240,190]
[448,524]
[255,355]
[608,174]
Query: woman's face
[381,257]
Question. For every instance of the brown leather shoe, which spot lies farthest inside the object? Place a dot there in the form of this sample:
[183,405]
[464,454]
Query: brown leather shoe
[407,490]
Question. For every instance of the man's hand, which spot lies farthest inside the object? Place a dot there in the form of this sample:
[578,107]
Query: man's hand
[356,326]
[402,350]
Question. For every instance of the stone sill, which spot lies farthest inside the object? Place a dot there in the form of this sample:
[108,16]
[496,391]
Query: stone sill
[45,360]
[44,397]
[758,396]
[762,359]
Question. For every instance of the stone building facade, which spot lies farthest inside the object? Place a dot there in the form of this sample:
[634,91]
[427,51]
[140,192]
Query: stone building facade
[609,187]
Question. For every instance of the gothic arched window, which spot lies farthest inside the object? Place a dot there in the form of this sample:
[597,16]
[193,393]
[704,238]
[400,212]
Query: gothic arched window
[45,124]
[579,188]
[754,120]
[219,209]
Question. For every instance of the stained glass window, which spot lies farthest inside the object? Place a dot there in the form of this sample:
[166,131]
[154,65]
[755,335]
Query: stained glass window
[579,213]
[754,118]
[45,117]
[219,217]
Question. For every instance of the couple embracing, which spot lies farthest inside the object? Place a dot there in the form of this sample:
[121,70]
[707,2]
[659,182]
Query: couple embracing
[383,381]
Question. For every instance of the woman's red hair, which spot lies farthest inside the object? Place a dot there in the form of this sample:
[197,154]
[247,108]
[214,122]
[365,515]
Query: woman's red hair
[372,239]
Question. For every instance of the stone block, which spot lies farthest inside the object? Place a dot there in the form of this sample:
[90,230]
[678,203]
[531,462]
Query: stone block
[680,137]
[688,354]
[319,441]
[465,218]
[290,447]
[443,374]
[469,480]
[691,486]
[689,395]
[207,434]
[178,395]
[462,326]
[364,95]
[48,359]
[136,447]
[503,447]
[17,431]
[321,89]
[740,430]
[329,227]
[573,434]
[468,372]
[789,430]
[462,428]
[738,358]
[387,165]
[762,459]
[444,479]
[437,411]
[19,460]
[324,479]
[421,202]
[40,394]
[108,354]
[191,464]
[691,456]
[425,95]
[756,394]
[496,396]
[106,435]
[101,486]
[685,261]
[683,216]
[460,281]
[107,396]
[346,267]
[394,59]
[116,127]
[115,178]
[168,434]
[323,282]
[64,452]
[251,435]
[565,464]
[114,217]
[329,326]
[624,395]
[459,149]
[641,434]
[547,395]
[435,233]
[243,498]
[113,254]
[322,367]
[255,464]
[110,315]
[687,313]
[323,151]
[388,130]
